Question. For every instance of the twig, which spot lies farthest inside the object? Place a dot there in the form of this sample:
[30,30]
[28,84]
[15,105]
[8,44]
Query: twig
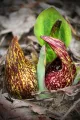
[71,109]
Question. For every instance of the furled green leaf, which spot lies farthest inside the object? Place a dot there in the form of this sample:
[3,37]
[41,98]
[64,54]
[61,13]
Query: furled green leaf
[41,71]
[43,26]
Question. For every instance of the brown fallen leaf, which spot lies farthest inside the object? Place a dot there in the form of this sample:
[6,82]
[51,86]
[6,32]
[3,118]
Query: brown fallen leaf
[23,110]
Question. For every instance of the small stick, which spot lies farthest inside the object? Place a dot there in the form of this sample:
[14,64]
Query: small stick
[71,109]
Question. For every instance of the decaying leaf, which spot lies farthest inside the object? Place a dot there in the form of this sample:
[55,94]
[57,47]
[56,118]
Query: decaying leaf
[19,22]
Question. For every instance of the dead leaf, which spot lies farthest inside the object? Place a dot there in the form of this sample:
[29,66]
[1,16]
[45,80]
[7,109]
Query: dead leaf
[18,22]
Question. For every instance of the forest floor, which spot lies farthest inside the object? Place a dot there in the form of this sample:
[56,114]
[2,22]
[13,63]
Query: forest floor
[17,18]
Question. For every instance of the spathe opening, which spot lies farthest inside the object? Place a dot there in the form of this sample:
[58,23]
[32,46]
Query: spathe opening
[55,65]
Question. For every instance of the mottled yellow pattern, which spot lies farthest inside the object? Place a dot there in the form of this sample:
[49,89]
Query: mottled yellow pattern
[20,72]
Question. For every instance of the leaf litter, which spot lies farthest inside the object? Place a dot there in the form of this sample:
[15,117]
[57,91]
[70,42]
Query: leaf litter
[64,102]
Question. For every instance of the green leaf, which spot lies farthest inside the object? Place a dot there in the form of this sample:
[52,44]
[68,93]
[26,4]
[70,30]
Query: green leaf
[43,26]
[41,72]
[77,78]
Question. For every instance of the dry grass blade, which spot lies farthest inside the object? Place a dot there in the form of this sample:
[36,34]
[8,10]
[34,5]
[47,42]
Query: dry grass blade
[2,59]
